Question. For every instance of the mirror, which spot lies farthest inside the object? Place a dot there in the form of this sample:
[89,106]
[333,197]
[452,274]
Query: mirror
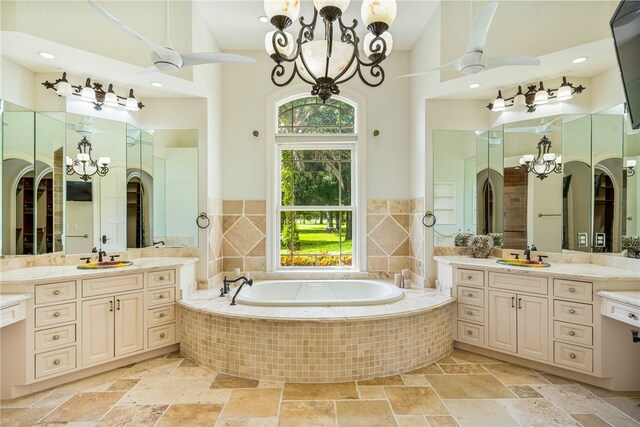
[495,180]
[139,187]
[631,187]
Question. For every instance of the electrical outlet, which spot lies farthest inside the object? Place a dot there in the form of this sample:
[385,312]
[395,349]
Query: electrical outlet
[599,240]
[582,240]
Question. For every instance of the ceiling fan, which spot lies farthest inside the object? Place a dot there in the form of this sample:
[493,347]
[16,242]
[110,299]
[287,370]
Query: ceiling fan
[163,56]
[474,60]
[544,128]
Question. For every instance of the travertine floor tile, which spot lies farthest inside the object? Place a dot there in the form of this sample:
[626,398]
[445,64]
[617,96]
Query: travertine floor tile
[415,401]
[554,379]
[190,415]
[601,392]
[371,392]
[307,413]
[133,415]
[229,381]
[481,386]
[123,385]
[168,391]
[219,396]
[99,382]
[271,384]
[334,391]
[429,369]
[188,363]
[157,367]
[590,420]
[416,380]
[442,421]
[537,413]
[85,407]
[462,356]
[447,360]
[479,413]
[19,417]
[24,401]
[512,374]
[411,421]
[524,392]
[392,380]
[259,402]
[628,405]
[467,368]
[364,413]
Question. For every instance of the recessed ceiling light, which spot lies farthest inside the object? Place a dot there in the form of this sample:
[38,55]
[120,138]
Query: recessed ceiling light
[47,55]
[474,85]
[579,60]
[263,19]
[156,84]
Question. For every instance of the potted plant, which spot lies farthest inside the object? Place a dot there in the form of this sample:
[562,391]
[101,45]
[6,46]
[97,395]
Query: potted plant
[480,245]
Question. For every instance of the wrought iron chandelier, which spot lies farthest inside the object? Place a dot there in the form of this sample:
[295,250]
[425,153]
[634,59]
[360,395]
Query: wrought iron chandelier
[84,165]
[325,64]
[545,163]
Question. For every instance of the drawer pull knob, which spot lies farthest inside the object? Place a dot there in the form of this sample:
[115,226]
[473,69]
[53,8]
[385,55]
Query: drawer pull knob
[162,335]
[163,314]
[56,292]
[572,333]
[55,337]
[162,296]
[632,316]
[161,278]
[469,332]
[469,312]
[469,294]
[56,362]
[56,314]
[572,290]
[572,355]
[469,277]
[572,311]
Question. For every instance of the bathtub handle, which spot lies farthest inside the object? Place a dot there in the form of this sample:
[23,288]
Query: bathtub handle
[429,215]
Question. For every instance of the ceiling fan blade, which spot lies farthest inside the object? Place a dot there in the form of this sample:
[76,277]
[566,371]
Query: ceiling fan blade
[448,66]
[503,61]
[156,47]
[214,58]
[480,28]
[529,129]
[151,69]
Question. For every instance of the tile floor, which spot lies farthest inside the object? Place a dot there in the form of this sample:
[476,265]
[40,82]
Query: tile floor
[461,389]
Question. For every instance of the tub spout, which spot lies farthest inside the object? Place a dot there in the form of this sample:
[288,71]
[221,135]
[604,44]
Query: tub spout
[246,282]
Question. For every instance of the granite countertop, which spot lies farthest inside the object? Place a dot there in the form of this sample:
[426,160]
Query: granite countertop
[7,300]
[569,270]
[627,297]
[48,273]
[415,301]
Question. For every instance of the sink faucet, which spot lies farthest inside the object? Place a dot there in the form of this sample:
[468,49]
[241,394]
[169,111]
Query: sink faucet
[101,254]
[246,282]
[527,253]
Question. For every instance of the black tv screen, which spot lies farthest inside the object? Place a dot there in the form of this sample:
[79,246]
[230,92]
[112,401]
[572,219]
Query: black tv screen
[78,191]
[625,26]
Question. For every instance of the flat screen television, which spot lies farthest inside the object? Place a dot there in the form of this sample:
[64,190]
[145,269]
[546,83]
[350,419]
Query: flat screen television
[625,26]
[78,191]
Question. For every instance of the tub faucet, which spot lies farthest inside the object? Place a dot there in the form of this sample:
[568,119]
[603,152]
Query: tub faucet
[226,282]
[246,282]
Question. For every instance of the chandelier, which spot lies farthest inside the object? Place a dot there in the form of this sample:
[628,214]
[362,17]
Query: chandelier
[630,168]
[94,93]
[84,165]
[325,64]
[535,96]
[545,163]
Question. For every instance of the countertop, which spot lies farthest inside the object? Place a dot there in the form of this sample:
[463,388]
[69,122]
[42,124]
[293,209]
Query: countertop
[7,300]
[627,297]
[574,271]
[48,273]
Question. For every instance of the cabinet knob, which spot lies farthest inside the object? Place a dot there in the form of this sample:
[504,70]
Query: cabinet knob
[469,312]
[162,296]
[55,337]
[572,311]
[56,314]
[631,316]
[56,292]
[572,290]
[469,294]
[162,335]
[163,314]
[161,278]
[469,277]
[572,333]
[56,362]
[572,355]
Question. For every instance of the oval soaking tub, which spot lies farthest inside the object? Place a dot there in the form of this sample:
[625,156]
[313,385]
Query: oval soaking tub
[319,293]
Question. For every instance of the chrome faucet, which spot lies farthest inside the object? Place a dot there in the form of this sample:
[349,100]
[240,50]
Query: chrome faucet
[246,282]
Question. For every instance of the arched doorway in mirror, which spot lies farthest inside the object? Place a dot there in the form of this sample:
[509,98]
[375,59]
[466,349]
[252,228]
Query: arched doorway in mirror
[605,211]
[138,211]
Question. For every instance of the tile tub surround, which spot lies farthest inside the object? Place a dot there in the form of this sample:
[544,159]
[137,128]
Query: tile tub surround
[316,344]
[416,236]
[243,232]
[214,248]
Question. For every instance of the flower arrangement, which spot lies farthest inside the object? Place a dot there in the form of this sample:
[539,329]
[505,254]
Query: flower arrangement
[498,239]
[632,245]
[462,239]
[480,245]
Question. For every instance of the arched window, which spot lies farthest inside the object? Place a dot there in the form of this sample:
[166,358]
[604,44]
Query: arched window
[309,115]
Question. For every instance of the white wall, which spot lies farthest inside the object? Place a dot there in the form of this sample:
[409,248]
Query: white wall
[181,174]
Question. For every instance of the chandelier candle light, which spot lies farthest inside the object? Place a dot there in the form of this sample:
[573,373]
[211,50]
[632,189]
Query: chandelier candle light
[84,165]
[325,64]
[544,163]
[535,96]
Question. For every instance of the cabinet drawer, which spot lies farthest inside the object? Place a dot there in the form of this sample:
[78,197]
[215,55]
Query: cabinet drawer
[622,312]
[465,276]
[576,334]
[55,292]
[55,361]
[161,296]
[111,285]
[516,282]
[573,356]
[12,314]
[161,278]
[470,333]
[162,335]
[570,289]
[573,312]
[471,296]
[470,312]
[55,314]
[160,315]
[55,337]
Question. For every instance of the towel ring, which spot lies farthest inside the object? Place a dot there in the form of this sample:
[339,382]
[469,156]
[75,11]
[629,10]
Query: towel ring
[203,216]
[429,214]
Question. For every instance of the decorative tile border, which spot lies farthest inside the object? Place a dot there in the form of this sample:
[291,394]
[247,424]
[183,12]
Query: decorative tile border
[243,235]
[388,242]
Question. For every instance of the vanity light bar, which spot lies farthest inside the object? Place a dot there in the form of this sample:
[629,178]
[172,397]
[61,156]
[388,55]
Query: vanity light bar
[535,96]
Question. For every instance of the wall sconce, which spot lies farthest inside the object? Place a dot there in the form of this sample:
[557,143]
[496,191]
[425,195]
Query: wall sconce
[84,165]
[534,96]
[545,163]
[93,92]
[630,169]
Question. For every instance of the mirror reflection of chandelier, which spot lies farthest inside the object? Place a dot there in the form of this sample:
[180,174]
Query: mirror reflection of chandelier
[84,165]
[329,62]
[545,163]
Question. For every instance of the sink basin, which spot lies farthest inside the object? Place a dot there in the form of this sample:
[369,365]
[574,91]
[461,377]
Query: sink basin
[523,263]
[104,264]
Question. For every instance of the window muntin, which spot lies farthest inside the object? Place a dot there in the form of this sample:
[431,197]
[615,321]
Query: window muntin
[308,115]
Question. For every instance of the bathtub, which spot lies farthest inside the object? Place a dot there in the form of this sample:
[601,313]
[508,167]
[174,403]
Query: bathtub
[319,293]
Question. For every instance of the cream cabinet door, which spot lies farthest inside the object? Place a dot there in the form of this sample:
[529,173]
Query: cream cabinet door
[502,321]
[129,323]
[97,330]
[533,327]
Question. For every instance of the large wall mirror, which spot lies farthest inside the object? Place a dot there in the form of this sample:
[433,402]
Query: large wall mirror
[148,196]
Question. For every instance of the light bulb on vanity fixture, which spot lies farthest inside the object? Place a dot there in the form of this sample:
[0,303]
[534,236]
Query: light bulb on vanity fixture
[630,168]
[535,96]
